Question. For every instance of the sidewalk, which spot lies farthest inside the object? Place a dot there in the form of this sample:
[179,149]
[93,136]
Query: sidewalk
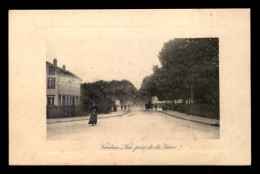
[193,118]
[81,118]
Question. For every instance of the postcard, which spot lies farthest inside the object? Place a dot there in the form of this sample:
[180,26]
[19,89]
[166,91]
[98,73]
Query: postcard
[129,87]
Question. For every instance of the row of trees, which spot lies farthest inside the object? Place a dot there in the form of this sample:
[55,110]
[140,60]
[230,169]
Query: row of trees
[189,71]
[105,93]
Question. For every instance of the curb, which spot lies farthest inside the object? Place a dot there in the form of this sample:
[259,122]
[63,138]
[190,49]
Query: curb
[216,124]
[87,119]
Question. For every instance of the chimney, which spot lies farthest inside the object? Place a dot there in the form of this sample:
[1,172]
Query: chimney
[63,67]
[55,61]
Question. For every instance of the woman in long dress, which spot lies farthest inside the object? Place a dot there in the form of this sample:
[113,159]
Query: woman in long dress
[93,115]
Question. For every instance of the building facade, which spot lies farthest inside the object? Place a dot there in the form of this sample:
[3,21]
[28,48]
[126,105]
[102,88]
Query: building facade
[63,87]
[155,100]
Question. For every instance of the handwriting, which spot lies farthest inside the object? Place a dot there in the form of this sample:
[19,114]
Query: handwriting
[133,148]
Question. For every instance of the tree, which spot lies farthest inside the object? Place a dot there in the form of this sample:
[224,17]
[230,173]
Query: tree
[187,66]
[147,90]
[191,64]
[105,93]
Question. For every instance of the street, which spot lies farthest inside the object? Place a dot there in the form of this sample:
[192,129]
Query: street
[136,124]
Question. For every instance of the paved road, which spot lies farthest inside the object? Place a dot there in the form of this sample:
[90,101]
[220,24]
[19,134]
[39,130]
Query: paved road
[135,125]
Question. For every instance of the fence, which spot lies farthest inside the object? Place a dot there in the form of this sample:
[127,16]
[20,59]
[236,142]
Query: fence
[61,111]
[73,111]
[203,110]
[103,108]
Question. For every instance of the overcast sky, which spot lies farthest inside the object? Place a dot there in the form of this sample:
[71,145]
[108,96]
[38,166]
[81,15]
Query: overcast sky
[108,53]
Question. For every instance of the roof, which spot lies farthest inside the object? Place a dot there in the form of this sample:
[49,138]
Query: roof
[65,71]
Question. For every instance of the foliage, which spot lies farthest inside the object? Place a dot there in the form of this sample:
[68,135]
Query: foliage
[105,93]
[186,65]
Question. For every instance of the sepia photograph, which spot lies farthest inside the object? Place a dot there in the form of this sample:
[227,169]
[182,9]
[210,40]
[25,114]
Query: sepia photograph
[173,95]
[129,87]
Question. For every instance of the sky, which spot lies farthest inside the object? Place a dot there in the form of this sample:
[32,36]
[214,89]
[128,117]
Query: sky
[107,53]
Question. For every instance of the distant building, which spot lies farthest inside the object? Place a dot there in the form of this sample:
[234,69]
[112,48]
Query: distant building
[63,87]
[155,100]
[179,101]
[117,102]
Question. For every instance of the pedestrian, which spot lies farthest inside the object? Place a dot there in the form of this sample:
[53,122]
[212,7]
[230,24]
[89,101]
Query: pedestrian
[93,114]
[155,107]
[114,108]
[121,107]
[125,107]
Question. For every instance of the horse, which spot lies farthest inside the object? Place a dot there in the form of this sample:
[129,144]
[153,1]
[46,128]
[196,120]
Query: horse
[148,106]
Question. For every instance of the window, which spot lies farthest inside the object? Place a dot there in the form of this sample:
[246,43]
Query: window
[51,83]
[50,100]
[51,71]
